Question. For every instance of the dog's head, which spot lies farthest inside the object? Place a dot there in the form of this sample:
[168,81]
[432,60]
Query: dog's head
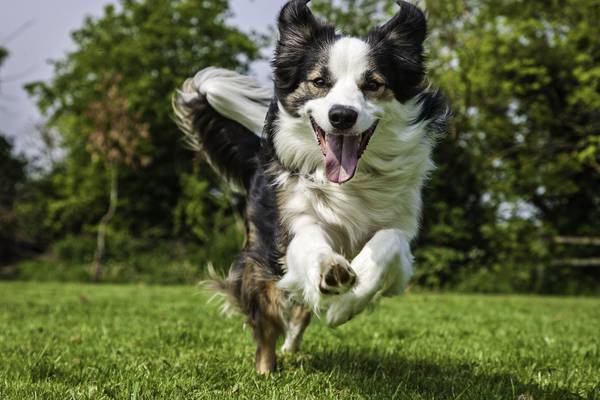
[337,85]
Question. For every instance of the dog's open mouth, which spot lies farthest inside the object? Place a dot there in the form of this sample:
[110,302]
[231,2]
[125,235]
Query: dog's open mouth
[341,152]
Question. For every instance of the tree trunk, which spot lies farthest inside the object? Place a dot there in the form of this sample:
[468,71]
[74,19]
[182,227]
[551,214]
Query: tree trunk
[103,225]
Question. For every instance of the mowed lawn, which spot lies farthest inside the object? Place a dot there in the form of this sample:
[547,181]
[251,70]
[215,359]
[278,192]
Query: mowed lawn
[68,341]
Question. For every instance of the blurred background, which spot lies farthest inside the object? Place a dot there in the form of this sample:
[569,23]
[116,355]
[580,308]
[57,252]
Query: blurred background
[97,185]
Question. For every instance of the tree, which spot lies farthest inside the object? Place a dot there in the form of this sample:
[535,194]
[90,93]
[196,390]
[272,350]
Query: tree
[12,176]
[22,203]
[524,81]
[152,45]
[520,163]
[116,140]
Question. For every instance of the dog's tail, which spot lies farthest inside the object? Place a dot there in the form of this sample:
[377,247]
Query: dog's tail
[221,114]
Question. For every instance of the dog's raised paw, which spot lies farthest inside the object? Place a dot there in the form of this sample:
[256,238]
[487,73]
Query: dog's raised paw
[337,277]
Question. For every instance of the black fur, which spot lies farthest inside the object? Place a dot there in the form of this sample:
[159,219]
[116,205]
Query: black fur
[435,109]
[262,211]
[397,48]
[231,148]
[303,40]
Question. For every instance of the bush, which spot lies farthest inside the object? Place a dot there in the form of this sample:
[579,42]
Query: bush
[134,260]
[75,249]
[47,269]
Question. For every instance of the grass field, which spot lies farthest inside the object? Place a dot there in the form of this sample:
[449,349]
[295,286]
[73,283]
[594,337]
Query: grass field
[136,342]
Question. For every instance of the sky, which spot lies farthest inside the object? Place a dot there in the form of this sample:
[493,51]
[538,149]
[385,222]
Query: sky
[36,31]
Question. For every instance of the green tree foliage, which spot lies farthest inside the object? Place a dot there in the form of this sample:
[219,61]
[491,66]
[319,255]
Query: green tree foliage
[116,141]
[520,164]
[151,46]
[23,205]
[523,78]
[12,176]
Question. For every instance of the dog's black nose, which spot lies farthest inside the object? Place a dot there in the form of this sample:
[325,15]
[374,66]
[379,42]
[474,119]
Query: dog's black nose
[342,117]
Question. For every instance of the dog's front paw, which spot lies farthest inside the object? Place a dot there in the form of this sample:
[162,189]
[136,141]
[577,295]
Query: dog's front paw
[319,274]
[337,276]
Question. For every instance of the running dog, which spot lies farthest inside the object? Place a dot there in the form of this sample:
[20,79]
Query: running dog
[331,165]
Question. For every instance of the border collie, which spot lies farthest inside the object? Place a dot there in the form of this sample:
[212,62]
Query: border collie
[331,165]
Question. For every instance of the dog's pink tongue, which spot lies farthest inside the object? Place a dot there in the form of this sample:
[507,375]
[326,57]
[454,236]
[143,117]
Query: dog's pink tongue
[341,157]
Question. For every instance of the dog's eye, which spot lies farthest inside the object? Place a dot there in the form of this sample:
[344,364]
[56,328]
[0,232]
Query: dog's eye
[319,82]
[372,86]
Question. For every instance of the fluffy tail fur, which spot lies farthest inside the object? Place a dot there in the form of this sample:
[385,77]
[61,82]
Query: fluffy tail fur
[221,114]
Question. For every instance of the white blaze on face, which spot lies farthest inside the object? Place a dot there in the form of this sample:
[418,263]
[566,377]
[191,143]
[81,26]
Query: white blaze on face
[348,59]
[348,62]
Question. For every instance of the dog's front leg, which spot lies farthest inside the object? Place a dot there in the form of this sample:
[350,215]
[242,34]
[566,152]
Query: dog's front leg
[313,268]
[383,266]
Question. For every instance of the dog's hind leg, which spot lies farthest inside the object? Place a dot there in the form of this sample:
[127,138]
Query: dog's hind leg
[253,290]
[297,321]
[266,333]
[266,317]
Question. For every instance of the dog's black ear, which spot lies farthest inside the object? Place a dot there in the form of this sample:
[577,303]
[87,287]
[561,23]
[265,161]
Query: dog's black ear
[408,25]
[301,40]
[296,21]
[398,49]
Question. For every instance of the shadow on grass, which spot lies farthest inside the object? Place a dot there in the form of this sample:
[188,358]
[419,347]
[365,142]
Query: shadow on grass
[387,376]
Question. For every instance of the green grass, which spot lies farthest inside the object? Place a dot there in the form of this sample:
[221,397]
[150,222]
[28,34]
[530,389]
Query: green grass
[62,341]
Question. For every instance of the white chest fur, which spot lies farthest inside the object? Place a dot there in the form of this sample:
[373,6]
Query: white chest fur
[385,192]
